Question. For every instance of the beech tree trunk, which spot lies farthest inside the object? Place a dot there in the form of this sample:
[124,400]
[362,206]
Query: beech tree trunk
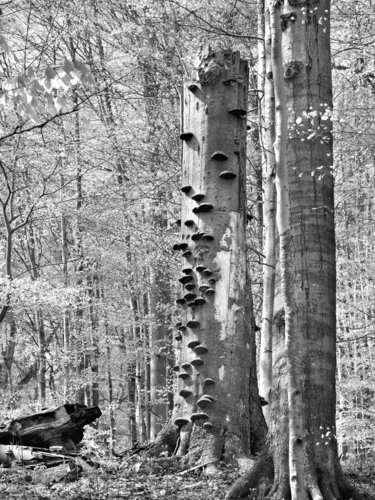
[217,405]
[267,134]
[302,426]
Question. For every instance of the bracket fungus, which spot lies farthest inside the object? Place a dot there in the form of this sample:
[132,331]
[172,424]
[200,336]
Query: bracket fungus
[201,349]
[192,344]
[238,112]
[186,279]
[186,189]
[199,416]
[200,268]
[226,174]
[219,156]
[193,86]
[185,393]
[199,301]
[197,236]
[192,323]
[198,197]
[202,208]
[181,421]
[189,296]
[196,362]
[186,136]
[190,286]
[204,401]
[187,270]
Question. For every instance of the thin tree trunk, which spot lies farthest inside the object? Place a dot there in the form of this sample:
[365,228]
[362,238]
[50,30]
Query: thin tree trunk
[267,134]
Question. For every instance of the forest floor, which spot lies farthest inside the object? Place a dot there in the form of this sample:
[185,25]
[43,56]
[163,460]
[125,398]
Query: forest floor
[133,479]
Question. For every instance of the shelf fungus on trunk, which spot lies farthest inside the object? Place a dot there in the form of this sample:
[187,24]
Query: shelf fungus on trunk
[186,393]
[200,268]
[186,365]
[238,112]
[193,86]
[188,270]
[181,421]
[197,362]
[192,323]
[178,336]
[208,381]
[198,197]
[219,156]
[227,174]
[197,236]
[190,286]
[186,136]
[199,301]
[186,189]
[203,208]
[205,401]
[190,296]
[199,416]
[186,279]
[187,254]
[192,344]
[201,349]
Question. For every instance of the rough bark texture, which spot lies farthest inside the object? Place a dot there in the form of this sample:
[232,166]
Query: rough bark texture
[215,338]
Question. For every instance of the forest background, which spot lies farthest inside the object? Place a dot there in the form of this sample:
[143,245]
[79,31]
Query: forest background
[90,200]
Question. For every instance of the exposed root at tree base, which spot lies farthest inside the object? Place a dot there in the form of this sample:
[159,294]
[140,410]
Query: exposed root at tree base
[261,483]
[260,477]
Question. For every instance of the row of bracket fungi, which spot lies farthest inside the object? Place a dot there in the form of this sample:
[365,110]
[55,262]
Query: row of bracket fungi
[205,288]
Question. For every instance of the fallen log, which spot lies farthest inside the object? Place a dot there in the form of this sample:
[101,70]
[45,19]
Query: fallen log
[63,426]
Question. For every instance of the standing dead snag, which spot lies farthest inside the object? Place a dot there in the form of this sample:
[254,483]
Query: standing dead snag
[216,407]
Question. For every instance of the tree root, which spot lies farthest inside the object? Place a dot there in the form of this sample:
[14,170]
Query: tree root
[259,477]
[257,485]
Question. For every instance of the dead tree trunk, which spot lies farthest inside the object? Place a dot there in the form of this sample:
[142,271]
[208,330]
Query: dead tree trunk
[215,338]
[60,427]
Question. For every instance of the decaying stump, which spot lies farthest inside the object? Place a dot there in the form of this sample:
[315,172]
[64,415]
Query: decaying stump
[61,427]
